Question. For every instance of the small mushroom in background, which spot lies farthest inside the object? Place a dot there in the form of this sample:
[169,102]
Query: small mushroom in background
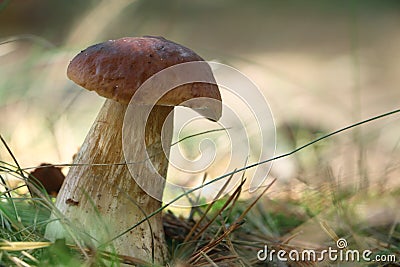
[103,201]
[50,177]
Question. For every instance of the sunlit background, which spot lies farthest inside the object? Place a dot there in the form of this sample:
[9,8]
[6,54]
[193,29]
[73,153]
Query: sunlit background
[322,65]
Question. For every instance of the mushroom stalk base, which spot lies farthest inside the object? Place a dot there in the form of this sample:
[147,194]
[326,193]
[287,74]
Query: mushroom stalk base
[97,203]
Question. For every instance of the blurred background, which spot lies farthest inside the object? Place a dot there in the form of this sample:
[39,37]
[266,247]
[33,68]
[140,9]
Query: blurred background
[321,65]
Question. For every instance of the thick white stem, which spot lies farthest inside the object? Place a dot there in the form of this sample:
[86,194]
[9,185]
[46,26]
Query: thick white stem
[103,201]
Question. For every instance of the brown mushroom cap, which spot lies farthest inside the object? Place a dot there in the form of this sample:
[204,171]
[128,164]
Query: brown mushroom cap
[115,69]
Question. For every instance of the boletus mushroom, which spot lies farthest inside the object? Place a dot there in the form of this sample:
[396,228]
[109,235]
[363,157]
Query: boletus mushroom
[99,196]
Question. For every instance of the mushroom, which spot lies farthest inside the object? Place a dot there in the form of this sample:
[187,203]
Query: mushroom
[99,196]
[48,176]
